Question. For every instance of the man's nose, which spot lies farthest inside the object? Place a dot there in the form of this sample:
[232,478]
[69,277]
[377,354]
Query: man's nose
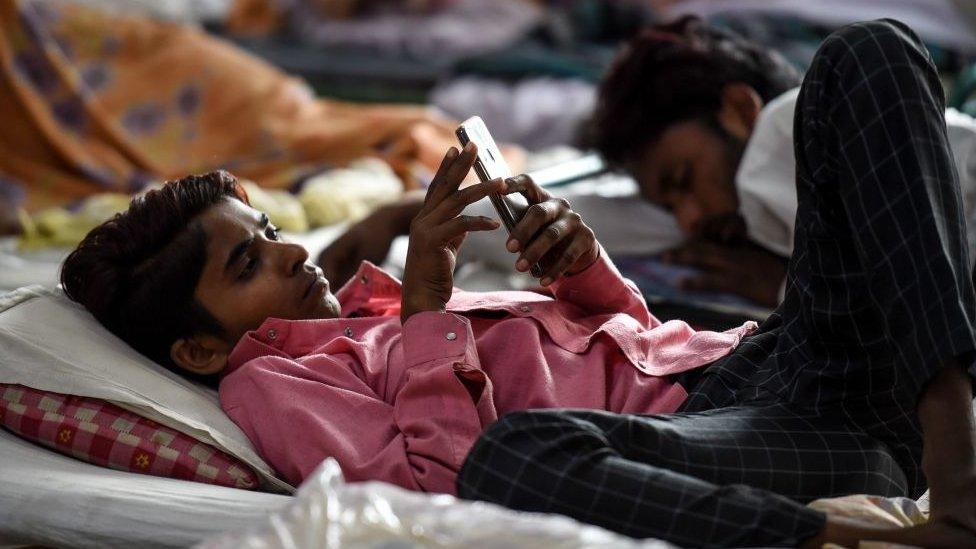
[689,217]
[295,256]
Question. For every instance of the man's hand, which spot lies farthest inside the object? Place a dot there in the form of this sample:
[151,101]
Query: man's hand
[746,270]
[370,239]
[945,411]
[437,232]
[550,233]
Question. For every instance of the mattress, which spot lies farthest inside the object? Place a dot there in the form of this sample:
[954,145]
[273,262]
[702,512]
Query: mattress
[53,500]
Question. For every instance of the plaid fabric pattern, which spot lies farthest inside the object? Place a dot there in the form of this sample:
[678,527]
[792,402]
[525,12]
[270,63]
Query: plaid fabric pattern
[879,291]
[101,433]
[721,478]
[820,401]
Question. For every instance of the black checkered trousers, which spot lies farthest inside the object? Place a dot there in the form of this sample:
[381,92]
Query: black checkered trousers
[821,401]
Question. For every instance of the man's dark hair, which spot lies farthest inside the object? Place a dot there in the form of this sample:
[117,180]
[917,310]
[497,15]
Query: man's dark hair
[137,272]
[677,72]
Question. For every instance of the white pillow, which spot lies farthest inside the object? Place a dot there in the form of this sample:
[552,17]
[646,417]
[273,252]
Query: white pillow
[51,343]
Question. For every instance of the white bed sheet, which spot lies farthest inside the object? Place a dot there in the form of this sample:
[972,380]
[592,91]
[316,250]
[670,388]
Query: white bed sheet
[19,268]
[56,501]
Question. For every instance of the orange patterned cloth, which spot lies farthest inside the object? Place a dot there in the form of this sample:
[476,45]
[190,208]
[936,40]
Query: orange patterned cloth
[94,102]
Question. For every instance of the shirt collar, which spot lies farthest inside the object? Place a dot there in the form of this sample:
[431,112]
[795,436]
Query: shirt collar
[371,288]
[370,283]
[266,340]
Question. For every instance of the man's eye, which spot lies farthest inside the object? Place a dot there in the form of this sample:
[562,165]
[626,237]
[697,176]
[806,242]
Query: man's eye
[271,232]
[249,267]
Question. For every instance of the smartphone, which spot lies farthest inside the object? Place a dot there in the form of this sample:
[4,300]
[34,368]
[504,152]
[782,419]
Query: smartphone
[490,164]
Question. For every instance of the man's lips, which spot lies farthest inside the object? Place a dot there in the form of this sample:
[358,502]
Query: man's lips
[316,278]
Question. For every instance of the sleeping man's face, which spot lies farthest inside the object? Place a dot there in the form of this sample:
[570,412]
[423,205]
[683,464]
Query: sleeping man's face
[250,275]
[690,171]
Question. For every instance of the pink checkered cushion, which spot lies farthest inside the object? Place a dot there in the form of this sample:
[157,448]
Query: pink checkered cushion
[101,433]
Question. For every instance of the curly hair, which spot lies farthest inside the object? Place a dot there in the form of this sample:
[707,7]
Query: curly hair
[672,73]
[137,273]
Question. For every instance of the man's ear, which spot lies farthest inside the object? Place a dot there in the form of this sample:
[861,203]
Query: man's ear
[203,355]
[740,109]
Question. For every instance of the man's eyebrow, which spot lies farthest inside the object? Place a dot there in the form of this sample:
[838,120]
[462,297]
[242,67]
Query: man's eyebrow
[242,246]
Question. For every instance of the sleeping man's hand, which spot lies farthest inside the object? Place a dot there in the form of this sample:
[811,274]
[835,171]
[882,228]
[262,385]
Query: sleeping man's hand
[437,232]
[550,234]
[745,269]
[369,239]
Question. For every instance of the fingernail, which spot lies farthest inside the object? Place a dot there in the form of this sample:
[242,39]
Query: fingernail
[546,281]
[522,265]
[469,147]
[452,153]
[512,245]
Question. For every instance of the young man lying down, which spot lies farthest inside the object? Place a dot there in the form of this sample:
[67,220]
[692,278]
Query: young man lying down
[395,382]
[835,394]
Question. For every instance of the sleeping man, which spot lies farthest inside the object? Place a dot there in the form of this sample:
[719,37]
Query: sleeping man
[719,156]
[865,365]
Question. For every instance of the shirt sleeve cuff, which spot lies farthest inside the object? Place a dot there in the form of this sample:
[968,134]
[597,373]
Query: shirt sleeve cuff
[431,335]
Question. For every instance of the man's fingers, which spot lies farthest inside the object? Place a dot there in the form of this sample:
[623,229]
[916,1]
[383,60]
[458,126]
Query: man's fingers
[561,258]
[451,173]
[446,162]
[464,224]
[536,217]
[454,204]
[547,238]
[530,190]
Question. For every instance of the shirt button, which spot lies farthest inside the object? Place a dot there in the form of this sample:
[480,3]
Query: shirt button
[525,308]
[272,333]
[450,336]
[364,279]
[348,331]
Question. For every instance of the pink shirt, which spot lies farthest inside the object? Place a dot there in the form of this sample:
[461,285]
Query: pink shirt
[404,403]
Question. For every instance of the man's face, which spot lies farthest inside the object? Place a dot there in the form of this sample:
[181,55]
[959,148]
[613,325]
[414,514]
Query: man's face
[690,170]
[250,275]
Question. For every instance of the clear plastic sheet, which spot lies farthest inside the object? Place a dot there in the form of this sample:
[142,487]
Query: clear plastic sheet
[327,512]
